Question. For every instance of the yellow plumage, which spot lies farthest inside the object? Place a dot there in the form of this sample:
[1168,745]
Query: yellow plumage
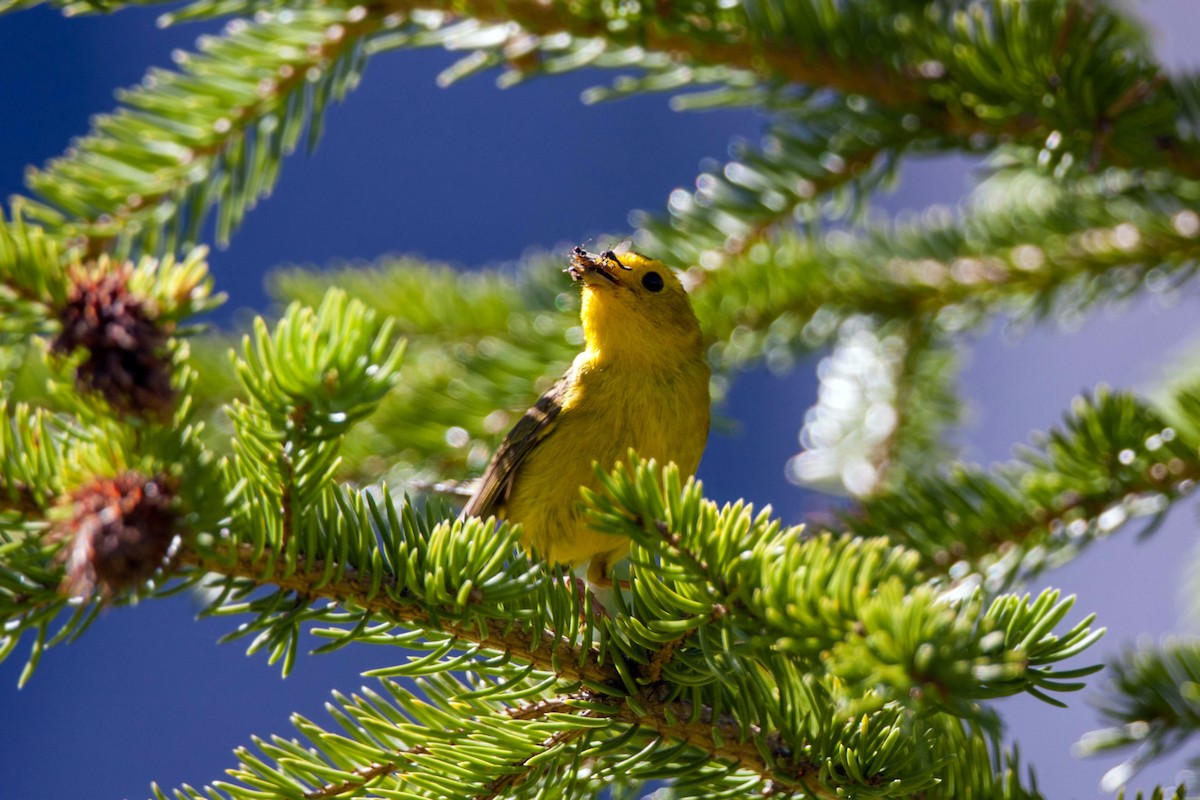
[641,382]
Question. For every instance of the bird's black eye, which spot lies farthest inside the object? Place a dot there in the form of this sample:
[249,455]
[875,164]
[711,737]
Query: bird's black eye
[652,281]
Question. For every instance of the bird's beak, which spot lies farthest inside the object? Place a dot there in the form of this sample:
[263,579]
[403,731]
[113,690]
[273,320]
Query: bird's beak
[588,267]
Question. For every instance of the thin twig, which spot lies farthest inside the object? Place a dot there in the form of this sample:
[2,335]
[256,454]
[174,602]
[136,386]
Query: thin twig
[364,776]
[739,746]
[524,771]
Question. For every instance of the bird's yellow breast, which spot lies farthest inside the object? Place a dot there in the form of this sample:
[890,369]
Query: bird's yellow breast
[608,408]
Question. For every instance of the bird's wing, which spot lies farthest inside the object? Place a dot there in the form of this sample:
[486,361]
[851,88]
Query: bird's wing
[496,483]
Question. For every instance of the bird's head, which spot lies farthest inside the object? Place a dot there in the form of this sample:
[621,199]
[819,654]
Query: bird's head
[634,308]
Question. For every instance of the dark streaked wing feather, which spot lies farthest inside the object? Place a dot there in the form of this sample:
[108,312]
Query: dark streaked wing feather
[497,480]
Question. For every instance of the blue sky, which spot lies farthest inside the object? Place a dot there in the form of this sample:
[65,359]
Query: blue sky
[475,176]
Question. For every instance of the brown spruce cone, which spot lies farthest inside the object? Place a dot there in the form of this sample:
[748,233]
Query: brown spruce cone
[117,536]
[127,359]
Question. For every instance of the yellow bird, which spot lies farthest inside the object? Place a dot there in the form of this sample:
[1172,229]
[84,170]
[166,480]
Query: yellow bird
[641,382]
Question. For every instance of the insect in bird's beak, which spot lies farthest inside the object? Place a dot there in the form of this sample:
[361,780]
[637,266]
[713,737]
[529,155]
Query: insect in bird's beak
[584,263]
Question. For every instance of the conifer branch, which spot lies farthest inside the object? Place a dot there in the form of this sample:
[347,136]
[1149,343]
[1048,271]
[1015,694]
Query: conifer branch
[932,82]
[729,738]
[115,187]
[524,771]
[33,276]
[364,776]
[681,721]
[543,18]
[790,610]
[773,44]
[752,39]
[1051,251]
[766,190]
[1114,458]
[718,736]
[676,721]
[1151,703]
[542,649]
[150,173]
